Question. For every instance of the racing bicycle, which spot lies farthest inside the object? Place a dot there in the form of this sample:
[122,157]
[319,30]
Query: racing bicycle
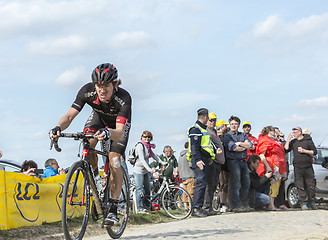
[170,198]
[81,187]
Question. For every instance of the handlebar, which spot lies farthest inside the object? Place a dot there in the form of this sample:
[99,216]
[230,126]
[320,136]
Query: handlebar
[76,136]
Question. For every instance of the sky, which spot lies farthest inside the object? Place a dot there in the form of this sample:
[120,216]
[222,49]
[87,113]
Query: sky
[263,61]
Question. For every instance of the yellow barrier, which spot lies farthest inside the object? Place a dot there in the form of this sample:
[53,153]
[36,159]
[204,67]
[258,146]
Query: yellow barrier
[27,201]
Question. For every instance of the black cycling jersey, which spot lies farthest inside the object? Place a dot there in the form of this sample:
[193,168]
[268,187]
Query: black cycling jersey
[118,110]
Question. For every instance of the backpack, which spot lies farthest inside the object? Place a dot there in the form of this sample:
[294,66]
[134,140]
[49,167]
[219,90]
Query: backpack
[133,155]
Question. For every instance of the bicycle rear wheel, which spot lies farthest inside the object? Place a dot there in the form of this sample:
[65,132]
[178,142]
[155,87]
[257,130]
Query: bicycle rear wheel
[123,207]
[216,201]
[76,202]
[174,204]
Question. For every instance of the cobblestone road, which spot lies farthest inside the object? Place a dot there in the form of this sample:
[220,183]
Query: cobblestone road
[280,225]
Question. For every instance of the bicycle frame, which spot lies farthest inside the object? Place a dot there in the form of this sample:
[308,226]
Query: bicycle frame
[85,158]
[165,184]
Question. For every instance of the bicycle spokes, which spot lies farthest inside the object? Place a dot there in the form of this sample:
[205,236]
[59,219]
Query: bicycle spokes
[75,202]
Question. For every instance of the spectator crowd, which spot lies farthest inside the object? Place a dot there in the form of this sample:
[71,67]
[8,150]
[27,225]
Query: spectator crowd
[248,171]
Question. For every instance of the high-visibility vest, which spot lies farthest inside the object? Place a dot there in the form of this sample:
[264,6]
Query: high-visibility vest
[205,143]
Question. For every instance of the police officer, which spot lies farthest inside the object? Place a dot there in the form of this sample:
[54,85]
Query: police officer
[200,153]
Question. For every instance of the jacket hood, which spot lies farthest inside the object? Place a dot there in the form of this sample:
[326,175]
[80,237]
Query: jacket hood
[307,137]
[183,152]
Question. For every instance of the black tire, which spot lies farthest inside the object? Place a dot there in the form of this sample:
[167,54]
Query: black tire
[292,197]
[172,202]
[75,213]
[117,230]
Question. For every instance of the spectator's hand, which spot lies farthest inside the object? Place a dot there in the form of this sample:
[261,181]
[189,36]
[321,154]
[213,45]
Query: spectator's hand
[300,150]
[165,163]
[237,144]
[153,170]
[200,164]
[268,174]
[103,134]
[30,172]
[62,171]
[289,137]
[55,133]
[218,151]
[156,175]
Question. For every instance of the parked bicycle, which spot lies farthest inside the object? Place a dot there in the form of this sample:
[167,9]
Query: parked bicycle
[216,200]
[170,198]
[80,185]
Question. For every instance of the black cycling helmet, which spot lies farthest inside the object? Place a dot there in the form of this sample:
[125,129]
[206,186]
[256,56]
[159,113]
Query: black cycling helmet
[104,73]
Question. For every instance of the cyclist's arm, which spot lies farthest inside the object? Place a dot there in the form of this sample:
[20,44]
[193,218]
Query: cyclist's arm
[67,119]
[122,118]
[117,134]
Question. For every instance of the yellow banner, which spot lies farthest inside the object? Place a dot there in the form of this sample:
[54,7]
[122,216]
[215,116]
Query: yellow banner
[26,200]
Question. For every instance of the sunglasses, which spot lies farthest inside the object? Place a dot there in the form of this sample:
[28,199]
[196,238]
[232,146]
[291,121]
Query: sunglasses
[212,120]
[146,136]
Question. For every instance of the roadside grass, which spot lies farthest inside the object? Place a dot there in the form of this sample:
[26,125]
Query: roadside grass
[54,230]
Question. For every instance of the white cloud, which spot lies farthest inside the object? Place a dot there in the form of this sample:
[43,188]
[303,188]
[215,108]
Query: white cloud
[179,100]
[321,102]
[274,27]
[267,28]
[31,16]
[130,40]
[295,118]
[59,46]
[275,35]
[72,77]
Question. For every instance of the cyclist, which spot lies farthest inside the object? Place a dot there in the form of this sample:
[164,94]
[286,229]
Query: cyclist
[110,119]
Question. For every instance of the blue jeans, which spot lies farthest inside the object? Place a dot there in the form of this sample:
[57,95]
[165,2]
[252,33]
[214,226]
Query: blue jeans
[142,185]
[261,199]
[239,182]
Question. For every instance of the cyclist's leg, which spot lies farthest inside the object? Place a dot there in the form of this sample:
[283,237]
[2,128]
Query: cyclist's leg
[117,149]
[116,175]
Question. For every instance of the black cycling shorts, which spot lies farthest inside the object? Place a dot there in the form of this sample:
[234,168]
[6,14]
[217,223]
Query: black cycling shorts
[94,123]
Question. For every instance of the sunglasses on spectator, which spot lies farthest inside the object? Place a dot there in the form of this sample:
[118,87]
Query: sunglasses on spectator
[146,136]
[212,120]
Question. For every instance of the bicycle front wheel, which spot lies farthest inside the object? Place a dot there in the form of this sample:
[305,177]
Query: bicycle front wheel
[123,206]
[176,202]
[76,202]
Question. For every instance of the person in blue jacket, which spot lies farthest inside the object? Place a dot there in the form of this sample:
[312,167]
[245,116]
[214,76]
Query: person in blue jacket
[52,167]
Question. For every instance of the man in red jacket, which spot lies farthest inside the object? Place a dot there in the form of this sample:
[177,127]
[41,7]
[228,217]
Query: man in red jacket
[247,128]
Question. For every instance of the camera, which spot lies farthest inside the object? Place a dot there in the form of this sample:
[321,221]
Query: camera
[38,171]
